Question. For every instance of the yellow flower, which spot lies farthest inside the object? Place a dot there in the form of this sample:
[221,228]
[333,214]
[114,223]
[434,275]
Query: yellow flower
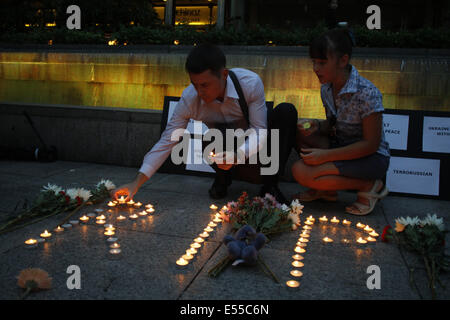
[399,227]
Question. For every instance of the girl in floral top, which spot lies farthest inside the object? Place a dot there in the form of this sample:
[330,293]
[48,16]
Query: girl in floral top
[348,150]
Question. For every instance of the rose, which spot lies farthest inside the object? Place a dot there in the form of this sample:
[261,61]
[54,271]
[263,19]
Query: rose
[386,233]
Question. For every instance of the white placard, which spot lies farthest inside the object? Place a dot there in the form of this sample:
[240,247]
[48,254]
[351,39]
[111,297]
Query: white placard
[195,157]
[413,175]
[436,134]
[395,128]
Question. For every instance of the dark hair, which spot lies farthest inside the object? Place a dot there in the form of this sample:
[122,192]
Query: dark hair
[336,42]
[205,57]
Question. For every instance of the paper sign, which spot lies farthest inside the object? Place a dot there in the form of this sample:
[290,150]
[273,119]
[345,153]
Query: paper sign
[412,175]
[395,128]
[436,134]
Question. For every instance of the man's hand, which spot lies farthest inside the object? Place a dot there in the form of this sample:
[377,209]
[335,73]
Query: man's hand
[307,127]
[313,156]
[130,189]
[226,160]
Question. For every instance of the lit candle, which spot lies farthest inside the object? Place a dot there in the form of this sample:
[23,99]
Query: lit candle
[310,218]
[370,239]
[111,204]
[204,234]
[208,229]
[334,220]
[299,249]
[187,256]
[296,273]
[199,240]
[361,240]
[307,228]
[182,262]
[196,245]
[133,216]
[45,234]
[297,257]
[191,251]
[323,219]
[373,234]
[213,208]
[115,245]
[143,213]
[301,244]
[212,224]
[131,202]
[368,229]
[304,235]
[292,283]
[122,200]
[326,240]
[101,217]
[109,233]
[303,240]
[346,223]
[309,223]
[150,210]
[31,243]
[121,218]
[100,221]
[148,206]
[137,204]
[115,251]
[58,229]
[217,219]
[360,225]
[298,264]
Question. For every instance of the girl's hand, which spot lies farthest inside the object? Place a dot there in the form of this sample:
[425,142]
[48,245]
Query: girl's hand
[307,127]
[313,156]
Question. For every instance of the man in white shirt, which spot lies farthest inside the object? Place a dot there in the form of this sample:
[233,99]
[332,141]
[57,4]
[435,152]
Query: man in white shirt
[214,99]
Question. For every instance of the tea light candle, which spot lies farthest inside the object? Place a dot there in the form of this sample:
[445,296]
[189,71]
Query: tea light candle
[84,219]
[182,262]
[199,240]
[299,250]
[303,240]
[131,202]
[360,225]
[115,245]
[309,223]
[361,240]
[213,207]
[58,229]
[137,204]
[111,204]
[121,218]
[307,228]
[292,283]
[196,245]
[327,240]
[150,210]
[115,251]
[148,206]
[301,244]
[91,215]
[216,219]
[143,213]
[133,216]
[100,221]
[191,251]
[334,220]
[212,224]
[304,235]
[45,235]
[370,239]
[31,243]
[67,226]
[297,257]
[323,219]
[101,217]
[208,229]
[204,234]
[298,264]
[99,210]
[296,273]
[346,223]
[373,234]
[109,233]
[368,229]
[121,200]
[74,222]
[187,256]
[310,218]
[111,240]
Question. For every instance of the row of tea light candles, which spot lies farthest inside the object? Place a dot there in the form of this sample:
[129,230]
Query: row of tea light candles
[300,248]
[372,234]
[197,244]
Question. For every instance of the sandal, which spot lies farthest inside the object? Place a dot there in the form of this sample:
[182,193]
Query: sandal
[372,196]
[312,194]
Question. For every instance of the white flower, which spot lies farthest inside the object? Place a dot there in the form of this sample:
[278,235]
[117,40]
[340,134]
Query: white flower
[52,187]
[296,207]
[294,218]
[434,220]
[285,207]
[109,185]
[79,192]
[401,223]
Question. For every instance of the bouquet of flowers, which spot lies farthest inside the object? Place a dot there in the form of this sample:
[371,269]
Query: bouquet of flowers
[425,237]
[52,199]
[264,215]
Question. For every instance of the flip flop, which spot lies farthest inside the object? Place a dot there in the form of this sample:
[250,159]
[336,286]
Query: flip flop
[372,196]
[307,196]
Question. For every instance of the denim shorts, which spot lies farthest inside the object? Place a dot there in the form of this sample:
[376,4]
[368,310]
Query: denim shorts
[371,167]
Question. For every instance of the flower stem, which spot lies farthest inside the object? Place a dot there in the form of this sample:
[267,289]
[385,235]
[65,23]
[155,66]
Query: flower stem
[219,267]
[25,294]
[264,265]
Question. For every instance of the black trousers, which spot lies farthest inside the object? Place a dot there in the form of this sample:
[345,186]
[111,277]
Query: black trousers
[284,118]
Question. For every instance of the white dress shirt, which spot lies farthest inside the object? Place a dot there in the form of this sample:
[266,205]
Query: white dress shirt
[229,111]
